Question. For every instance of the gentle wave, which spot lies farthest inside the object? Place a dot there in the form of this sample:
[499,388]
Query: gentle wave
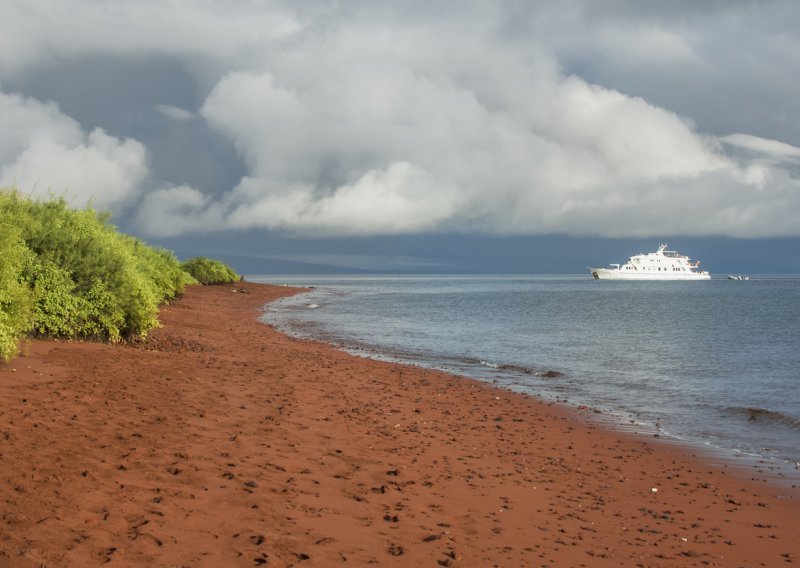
[764,415]
[544,373]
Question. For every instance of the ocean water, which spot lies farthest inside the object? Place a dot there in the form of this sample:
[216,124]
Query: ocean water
[713,363]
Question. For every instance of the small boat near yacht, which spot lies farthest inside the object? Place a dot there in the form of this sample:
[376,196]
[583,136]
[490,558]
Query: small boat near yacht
[738,277]
[660,265]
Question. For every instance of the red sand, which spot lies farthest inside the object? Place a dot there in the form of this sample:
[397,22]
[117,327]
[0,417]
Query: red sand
[220,442]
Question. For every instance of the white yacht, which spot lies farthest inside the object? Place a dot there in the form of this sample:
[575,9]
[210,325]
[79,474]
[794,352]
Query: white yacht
[660,265]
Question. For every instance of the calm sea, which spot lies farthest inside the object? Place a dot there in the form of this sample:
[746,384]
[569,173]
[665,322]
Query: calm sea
[714,363]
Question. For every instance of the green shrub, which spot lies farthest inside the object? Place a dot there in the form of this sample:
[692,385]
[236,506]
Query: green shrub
[15,297]
[70,273]
[57,308]
[209,271]
[161,266]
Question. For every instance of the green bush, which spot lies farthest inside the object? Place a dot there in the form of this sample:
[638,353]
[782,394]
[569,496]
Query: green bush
[69,273]
[15,298]
[209,271]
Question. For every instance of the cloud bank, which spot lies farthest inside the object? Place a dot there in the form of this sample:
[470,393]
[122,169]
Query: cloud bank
[45,152]
[368,120]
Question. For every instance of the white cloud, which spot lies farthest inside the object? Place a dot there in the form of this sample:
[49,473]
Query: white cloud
[638,45]
[170,211]
[23,119]
[175,113]
[567,156]
[47,152]
[399,199]
[772,148]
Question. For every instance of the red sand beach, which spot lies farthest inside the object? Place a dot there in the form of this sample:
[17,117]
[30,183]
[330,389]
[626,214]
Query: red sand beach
[221,442]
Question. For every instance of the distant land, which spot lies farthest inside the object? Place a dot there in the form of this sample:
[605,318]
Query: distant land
[261,265]
[269,253]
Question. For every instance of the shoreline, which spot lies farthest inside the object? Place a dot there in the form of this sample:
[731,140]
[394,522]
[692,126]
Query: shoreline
[782,472]
[221,441]
[779,470]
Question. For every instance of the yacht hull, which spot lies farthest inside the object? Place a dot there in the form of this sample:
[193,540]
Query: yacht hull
[616,274]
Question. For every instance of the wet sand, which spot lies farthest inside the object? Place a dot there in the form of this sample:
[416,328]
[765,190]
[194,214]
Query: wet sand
[221,442]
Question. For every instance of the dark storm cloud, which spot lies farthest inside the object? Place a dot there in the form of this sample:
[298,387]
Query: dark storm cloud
[146,98]
[323,118]
[727,65]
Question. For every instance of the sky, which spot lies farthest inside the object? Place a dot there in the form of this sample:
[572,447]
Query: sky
[514,136]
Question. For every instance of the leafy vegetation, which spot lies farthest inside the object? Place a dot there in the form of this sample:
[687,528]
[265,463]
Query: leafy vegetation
[69,273]
[209,271]
[15,298]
